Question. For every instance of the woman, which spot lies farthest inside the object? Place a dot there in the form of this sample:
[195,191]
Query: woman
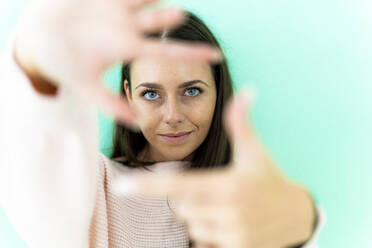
[58,183]
[210,86]
[188,99]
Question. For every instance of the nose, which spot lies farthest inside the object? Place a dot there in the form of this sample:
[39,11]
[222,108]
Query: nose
[172,112]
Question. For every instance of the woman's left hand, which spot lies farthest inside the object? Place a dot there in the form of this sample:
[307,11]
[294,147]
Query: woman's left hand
[250,204]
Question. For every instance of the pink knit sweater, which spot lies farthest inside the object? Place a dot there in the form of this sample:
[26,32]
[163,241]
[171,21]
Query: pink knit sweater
[133,221]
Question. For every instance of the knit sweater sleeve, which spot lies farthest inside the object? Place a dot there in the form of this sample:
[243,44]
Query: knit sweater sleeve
[49,162]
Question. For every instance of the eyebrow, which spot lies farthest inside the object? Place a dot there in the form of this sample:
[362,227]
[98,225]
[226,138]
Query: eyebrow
[183,85]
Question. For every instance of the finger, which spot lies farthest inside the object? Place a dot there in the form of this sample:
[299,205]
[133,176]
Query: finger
[153,185]
[240,130]
[158,20]
[213,236]
[181,51]
[192,185]
[238,119]
[203,245]
[202,234]
[138,4]
[110,104]
[218,215]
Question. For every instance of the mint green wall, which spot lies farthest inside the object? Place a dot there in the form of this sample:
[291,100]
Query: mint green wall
[311,63]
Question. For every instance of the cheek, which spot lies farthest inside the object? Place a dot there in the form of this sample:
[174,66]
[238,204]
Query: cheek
[201,113]
[201,116]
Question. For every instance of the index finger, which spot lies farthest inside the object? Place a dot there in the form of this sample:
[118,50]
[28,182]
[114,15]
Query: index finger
[183,50]
[110,103]
[137,4]
[169,183]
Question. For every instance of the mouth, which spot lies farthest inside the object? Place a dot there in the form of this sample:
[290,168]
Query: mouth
[175,137]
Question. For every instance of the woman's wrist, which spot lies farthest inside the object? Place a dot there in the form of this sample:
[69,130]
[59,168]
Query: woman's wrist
[39,82]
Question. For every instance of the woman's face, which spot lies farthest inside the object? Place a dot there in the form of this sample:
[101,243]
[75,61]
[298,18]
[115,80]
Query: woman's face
[174,102]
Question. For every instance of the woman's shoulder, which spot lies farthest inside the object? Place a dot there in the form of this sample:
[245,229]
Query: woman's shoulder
[113,165]
[119,166]
[121,159]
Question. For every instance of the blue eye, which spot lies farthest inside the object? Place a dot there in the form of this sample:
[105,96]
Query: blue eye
[192,92]
[150,95]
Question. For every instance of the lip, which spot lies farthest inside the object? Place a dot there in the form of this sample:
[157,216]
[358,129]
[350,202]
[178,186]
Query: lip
[175,137]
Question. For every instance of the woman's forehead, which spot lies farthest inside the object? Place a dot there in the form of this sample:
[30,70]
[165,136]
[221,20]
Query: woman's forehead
[162,71]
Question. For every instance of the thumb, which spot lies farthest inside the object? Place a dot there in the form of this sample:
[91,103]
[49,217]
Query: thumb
[237,119]
[108,102]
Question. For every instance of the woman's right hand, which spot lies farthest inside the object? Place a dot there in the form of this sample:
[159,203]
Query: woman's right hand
[73,42]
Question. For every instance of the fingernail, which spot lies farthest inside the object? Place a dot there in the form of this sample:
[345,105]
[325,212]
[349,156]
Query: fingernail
[124,186]
[249,94]
[218,56]
[181,209]
[176,10]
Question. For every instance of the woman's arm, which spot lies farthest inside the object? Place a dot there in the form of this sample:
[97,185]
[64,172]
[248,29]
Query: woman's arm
[49,143]
[48,159]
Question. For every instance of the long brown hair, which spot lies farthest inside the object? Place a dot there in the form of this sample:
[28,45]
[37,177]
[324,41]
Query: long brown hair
[215,149]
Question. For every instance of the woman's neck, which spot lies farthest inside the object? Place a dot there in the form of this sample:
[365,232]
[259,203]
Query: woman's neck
[147,156]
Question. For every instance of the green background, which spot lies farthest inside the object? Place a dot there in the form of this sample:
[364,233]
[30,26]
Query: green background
[311,64]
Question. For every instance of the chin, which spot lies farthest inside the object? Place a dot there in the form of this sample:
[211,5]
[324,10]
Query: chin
[173,152]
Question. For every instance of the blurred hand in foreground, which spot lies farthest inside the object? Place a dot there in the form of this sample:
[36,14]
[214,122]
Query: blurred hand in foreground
[73,42]
[250,204]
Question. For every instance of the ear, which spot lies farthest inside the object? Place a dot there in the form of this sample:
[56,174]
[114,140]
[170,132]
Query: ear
[127,91]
